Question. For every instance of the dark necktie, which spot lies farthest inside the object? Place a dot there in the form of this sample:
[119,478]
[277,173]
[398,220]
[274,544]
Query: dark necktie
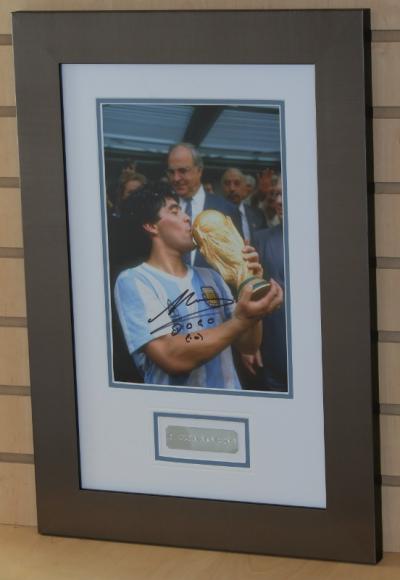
[188,211]
[188,207]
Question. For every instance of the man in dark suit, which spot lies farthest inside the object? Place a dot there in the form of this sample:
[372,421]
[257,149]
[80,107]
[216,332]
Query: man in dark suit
[185,168]
[273,374]
[235,189]
[267,369]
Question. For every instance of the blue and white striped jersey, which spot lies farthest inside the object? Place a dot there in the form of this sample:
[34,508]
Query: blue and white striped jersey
[152,303]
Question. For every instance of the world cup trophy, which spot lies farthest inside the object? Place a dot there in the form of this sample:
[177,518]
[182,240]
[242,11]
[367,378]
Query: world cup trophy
[221,245]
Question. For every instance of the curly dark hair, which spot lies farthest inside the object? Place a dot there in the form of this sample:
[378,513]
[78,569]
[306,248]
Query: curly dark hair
[143,207]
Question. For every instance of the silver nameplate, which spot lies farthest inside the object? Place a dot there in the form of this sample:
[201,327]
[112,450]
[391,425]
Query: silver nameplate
[202,439]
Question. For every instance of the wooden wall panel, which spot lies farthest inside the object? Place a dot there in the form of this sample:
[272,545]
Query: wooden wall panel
[385,84]
[14,363]
[385,13]
[390,444]
[7,89]
[391,518]
[387,150]
[15,424]
[17,501]
[17,494]
[10,218]
[9,166]
[389,374]
[388,284]
[12,283]
[387,224]
[28,556]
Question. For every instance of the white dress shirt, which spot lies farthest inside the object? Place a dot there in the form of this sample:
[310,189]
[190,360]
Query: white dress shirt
[274,221]
[198,201]
[245,223]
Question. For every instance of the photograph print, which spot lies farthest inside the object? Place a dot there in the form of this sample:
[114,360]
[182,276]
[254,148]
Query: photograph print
[194,235]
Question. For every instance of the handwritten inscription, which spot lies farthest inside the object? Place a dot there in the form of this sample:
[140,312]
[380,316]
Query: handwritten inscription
[196,336]
[178,326]
[193,320]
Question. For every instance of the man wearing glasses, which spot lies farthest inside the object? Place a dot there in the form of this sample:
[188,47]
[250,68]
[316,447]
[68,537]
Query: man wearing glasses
[185,168]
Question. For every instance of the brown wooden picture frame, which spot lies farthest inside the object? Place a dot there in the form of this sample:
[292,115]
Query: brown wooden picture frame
[337,43]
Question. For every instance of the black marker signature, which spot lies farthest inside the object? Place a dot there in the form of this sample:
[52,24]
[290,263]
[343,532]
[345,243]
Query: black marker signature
[178,325]
[188,298]
[196,336]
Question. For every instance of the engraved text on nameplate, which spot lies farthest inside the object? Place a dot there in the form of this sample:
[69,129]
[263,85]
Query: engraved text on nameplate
[202,439]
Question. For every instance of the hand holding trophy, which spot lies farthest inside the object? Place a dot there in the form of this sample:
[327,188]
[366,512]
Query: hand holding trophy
[221,245]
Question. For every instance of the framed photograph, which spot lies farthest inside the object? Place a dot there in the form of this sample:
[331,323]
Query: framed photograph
[196,241]
[137,145]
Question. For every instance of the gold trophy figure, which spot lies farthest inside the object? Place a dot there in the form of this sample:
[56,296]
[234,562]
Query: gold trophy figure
[221,245]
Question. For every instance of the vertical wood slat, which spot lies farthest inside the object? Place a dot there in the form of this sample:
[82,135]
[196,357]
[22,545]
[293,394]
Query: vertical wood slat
[14,362]
[12,282]
[391,518]
[390,444]
[386,133]
[17,494]
[15,424]
[7,85]
[389,373]
[386,85]
[388,292]
[9,166]
[387,224]
[10,218]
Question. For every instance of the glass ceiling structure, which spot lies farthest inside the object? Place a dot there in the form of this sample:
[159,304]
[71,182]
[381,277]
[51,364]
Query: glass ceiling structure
[224,132]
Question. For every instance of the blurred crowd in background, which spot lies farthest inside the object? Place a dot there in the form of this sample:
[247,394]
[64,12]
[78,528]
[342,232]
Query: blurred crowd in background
[261,191]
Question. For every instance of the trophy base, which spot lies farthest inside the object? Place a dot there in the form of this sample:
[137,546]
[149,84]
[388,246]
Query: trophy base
[260,287]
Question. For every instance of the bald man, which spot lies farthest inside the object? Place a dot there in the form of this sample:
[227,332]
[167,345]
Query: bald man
[185,169]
